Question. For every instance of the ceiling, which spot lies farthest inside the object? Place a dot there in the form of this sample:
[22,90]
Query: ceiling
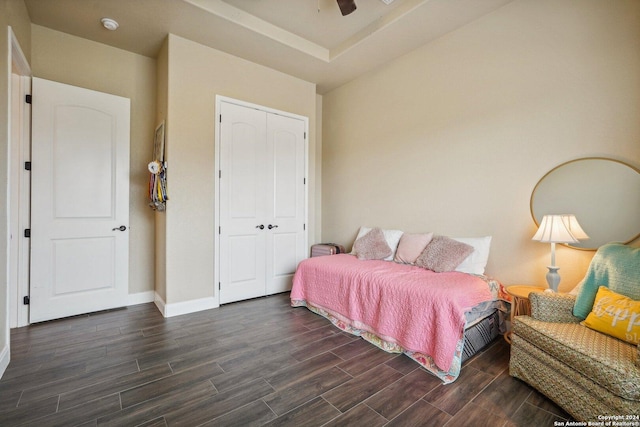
[309,39]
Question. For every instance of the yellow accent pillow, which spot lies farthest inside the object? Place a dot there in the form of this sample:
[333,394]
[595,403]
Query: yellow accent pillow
[616,315]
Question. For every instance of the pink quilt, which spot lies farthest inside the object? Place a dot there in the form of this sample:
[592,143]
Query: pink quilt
[418,309]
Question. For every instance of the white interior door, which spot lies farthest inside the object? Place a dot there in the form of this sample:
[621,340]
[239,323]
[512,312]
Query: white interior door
[262,201]
[80,201]
[286,200]
[242,198]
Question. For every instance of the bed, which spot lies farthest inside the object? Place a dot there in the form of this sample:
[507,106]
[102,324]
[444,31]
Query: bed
[437,319]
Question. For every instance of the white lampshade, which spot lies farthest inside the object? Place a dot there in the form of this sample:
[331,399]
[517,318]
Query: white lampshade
[558,229]
[553,229]
[572,224]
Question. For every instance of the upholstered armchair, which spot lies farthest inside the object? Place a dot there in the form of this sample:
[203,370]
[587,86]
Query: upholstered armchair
[590,373]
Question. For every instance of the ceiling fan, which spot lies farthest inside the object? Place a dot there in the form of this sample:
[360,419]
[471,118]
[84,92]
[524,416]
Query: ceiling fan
[348,6]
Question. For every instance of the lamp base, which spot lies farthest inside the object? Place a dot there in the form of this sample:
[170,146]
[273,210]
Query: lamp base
[553,278]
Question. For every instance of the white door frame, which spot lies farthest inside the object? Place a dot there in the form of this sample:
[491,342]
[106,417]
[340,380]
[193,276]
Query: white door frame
[19,184]
[216,221]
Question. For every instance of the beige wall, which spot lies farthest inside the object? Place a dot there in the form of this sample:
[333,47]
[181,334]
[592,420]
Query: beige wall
[453,137]
[316,203]
[196,74]
[12,13]
[72,60]
[162,103]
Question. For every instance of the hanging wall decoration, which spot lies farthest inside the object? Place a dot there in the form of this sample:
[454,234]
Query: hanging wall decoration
[158,173]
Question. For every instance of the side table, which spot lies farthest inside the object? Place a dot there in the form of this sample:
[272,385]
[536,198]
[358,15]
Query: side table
[520,302]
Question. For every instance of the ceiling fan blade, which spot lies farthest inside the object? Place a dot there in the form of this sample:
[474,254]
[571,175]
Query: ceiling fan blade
[347,6]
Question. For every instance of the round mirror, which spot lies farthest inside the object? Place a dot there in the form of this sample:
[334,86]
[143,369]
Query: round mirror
[603,194]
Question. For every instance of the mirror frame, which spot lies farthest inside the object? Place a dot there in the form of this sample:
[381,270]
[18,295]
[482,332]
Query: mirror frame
[636,236]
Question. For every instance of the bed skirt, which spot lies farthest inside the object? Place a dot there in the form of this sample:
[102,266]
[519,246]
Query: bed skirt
[475,338]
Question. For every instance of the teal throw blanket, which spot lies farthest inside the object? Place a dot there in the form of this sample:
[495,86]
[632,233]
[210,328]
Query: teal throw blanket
[615,266]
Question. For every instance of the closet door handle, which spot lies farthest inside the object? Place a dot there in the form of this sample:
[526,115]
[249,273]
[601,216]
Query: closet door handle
[261,226]
[272,226]
[121,228]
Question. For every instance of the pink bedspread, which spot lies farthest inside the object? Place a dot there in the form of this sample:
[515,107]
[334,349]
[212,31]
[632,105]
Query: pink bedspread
[416,308]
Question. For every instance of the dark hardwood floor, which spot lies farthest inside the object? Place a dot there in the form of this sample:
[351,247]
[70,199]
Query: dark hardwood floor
[257,362]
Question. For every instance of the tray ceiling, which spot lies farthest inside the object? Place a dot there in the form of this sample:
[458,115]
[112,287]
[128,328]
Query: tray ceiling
[308,39]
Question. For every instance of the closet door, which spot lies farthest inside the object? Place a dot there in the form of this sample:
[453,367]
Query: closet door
[285,201]
[262,201]
[243,151]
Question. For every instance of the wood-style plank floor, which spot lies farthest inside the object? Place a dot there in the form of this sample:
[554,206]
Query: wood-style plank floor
[257,362]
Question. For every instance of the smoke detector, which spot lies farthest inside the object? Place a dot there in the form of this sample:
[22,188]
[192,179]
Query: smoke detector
[109,24]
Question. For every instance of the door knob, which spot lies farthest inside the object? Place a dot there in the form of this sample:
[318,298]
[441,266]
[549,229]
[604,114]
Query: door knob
[272,226]
[121,228]
[261,226]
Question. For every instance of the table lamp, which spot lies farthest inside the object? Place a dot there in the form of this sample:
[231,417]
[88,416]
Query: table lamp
[558,229]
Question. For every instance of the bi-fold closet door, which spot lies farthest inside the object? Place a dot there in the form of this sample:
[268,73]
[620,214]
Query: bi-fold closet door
[262,201]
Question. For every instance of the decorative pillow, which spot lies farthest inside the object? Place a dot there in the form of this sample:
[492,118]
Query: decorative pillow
[411,246]
[443,254]
[391,236]
[477,261]
[372,245]
[615,266]
[616,315]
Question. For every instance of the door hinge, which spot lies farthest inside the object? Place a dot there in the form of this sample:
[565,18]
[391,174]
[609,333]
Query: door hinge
[219,230]
[305,135]
[27,166]
[27,99]
[304,226]
[304,181]
[219,286]
[27,232]
[26,300]
[220,174]
[220,118]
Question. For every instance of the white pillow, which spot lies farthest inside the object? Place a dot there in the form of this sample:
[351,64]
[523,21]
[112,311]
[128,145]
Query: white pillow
[391,236]
[477,261]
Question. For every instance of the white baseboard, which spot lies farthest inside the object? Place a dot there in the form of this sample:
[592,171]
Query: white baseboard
[5,357]
[159,302]
[141,298]
[185,307]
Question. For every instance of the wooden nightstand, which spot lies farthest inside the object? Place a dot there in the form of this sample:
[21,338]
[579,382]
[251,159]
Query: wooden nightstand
[520,302]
